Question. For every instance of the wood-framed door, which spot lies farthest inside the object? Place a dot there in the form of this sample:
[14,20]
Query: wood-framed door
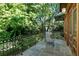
[71,25]
[73,29]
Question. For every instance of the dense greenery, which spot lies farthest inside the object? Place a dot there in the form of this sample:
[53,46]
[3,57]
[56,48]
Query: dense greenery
[19,20]
[16,19]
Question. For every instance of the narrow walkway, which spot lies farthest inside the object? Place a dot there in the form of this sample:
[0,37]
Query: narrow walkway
[49,47]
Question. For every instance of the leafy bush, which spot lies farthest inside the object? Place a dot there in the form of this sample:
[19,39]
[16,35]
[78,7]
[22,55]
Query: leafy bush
[4,36]
[58,26]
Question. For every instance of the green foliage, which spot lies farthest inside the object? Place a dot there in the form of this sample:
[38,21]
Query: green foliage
[57,35]
[24,19]
[57,30]
[58,26]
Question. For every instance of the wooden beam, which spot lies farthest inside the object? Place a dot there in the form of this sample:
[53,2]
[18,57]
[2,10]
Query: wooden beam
[77,29]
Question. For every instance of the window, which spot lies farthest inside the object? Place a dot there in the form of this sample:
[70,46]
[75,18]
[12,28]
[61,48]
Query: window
[74,22]
[71,24]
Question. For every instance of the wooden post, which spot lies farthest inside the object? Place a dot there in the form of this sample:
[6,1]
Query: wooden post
[77,29]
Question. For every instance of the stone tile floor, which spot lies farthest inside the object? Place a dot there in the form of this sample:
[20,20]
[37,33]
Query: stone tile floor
[44,49]
[49,47]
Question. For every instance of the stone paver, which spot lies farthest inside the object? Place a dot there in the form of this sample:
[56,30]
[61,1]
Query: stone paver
[46,48]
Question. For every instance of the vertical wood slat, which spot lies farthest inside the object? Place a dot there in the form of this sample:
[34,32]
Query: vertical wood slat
[74,38]
[77,29]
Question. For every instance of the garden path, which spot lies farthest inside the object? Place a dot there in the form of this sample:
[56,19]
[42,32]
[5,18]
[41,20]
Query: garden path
[49,47]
